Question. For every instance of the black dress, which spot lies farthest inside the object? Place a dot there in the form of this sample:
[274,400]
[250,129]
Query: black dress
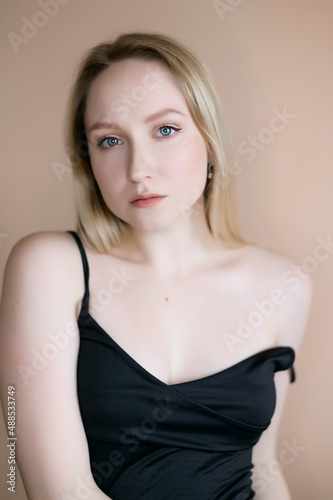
[152,441]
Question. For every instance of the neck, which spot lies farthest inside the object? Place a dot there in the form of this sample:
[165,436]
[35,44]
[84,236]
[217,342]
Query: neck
[172,252]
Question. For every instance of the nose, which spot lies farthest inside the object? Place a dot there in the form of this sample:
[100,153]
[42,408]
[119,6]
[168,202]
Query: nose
[140,164]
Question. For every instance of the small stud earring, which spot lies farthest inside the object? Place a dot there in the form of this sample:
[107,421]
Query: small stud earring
[210,167]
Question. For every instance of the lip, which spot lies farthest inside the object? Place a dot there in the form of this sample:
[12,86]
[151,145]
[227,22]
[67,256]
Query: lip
[147,202]
[145,196]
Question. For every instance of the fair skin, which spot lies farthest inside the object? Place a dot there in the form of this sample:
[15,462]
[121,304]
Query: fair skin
[185,289]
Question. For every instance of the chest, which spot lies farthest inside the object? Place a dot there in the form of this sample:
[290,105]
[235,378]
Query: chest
[179,329]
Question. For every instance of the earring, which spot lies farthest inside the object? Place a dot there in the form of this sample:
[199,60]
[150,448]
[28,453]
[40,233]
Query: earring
[210,167]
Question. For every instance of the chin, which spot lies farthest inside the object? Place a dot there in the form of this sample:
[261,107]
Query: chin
[153,224]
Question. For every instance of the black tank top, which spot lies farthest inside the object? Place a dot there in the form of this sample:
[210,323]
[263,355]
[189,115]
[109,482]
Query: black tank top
[152,441]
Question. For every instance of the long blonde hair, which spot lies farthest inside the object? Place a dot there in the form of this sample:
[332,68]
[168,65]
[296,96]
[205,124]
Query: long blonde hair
[102,228]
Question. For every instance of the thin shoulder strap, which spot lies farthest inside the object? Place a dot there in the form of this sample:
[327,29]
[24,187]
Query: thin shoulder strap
[85,300]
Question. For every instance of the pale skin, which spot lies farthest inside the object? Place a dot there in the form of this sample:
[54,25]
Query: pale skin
[175,266]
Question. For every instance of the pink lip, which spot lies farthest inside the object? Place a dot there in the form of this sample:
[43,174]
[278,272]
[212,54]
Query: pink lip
[144,196]
[147,202]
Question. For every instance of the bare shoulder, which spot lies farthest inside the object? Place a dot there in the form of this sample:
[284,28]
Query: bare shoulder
[45,255]
[42,245]
[272,268]
[283,278]
[43,282]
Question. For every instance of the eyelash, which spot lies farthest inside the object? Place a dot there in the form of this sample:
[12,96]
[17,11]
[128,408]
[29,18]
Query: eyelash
[176,129]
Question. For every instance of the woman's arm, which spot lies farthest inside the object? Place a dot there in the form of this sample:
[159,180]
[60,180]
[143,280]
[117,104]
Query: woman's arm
[39,344]
[268,479]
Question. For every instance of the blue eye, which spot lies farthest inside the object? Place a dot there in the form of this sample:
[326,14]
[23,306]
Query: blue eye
[110,142]
[166,131]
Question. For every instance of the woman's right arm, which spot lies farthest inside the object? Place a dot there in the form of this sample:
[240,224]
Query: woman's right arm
[39,344]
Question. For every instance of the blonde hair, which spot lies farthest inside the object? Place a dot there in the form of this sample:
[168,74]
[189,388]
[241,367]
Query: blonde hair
[102,228]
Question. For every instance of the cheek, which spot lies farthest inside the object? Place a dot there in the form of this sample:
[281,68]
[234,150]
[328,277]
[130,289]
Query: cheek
[192,159]
[108,181]
[105,171]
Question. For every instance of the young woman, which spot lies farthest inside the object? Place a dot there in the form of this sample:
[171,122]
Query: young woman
[150,348]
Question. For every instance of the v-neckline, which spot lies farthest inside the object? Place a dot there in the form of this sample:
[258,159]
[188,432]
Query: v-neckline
[193,381]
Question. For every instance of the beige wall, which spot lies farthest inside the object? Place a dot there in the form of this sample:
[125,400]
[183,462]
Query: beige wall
[266,55]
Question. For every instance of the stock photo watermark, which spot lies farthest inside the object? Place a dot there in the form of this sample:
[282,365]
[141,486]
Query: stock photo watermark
[11,431]
[277,124]
[249,147]
[31,27]
[59,341]
[60,169]
[116,284]
[132,437]
[246,327]
[40,359]
[265,308]
[223,7]
[268,473]
[138,93]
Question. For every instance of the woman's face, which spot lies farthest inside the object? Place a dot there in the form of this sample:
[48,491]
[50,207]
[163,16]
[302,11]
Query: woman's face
[142,139]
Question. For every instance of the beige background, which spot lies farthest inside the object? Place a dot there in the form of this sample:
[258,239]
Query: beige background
[264,55]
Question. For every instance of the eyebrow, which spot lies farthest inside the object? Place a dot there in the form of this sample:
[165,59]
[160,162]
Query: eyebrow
[161,113]
[150,118]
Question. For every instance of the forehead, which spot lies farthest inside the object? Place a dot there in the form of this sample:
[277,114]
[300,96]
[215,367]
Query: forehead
[133,88]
